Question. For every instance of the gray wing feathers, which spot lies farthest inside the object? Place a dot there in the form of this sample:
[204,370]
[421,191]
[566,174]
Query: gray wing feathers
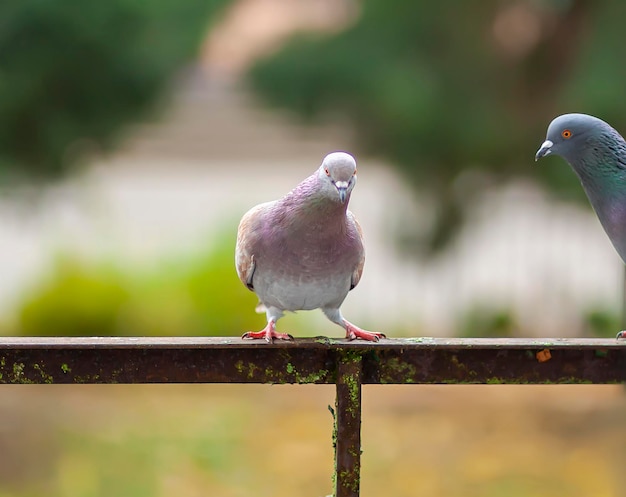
[247,237]
[358,270]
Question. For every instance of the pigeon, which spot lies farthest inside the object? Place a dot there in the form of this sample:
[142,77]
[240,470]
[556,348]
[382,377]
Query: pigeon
[305,250]
[597,153]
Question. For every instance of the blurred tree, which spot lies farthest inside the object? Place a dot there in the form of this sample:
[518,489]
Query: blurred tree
[73,72]
[458,95]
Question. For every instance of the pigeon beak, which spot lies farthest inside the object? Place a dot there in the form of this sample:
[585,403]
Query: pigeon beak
[342,190]
[545,149]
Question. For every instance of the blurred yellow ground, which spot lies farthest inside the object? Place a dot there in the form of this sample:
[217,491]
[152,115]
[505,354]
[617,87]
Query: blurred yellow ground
[244,440]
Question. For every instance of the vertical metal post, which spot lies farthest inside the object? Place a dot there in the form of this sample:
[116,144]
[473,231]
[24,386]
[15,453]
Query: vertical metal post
[348,425]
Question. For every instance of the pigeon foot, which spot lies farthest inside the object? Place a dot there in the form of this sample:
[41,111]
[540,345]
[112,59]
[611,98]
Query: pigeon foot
[621,335]
[269,333]
[353,332]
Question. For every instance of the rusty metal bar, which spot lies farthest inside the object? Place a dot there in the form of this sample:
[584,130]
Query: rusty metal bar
[232,360]
[347,435]
[317,360]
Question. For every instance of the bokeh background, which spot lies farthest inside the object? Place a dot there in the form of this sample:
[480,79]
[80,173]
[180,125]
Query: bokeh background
[134,135]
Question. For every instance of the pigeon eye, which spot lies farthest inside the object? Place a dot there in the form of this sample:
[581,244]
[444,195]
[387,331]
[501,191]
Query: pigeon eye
[327,171]
[566,133]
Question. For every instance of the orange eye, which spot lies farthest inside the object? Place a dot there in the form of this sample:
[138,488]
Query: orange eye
[566,133]
[327,171]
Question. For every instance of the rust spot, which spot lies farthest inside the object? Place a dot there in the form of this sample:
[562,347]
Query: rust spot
[543,355]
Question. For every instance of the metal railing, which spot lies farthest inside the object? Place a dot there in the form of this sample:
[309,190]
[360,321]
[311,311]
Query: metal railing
[348,365]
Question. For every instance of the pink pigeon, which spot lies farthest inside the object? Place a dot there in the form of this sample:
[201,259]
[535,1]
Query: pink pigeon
[305,250]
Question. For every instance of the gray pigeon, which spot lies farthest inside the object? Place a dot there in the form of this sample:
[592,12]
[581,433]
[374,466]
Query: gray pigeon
[597,153]
[305,250]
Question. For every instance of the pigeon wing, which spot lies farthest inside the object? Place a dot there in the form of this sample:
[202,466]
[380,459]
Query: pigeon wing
[248,236]
[358,270]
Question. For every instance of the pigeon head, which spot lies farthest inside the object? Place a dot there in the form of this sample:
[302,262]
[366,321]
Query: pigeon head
[337,175]
[597,153]
[577,137]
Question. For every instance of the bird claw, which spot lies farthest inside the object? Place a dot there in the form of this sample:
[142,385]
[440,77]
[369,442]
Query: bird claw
[268,334]
[354,332]
[368,336]
[621,335]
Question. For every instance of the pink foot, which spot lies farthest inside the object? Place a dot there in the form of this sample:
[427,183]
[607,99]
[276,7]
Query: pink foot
[354,332]
[621,335]
[269,333]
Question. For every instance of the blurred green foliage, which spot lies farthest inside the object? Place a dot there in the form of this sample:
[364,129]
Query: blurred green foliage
[602,323]
[458,95]
[192,296]
[77,299]
[72,73]
[488,322]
